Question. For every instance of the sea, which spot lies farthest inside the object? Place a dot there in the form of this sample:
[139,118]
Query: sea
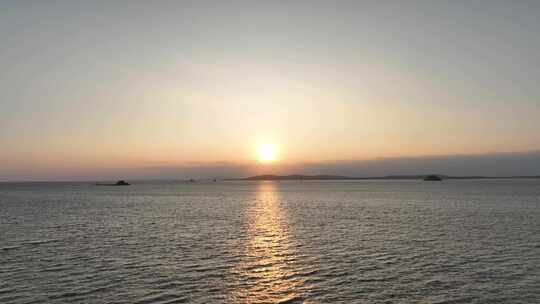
[455,241]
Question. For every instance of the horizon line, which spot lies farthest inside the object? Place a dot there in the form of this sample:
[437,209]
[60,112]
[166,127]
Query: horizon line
[261,177]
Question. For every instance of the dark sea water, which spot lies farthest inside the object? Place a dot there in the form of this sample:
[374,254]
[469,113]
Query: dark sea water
[475,241]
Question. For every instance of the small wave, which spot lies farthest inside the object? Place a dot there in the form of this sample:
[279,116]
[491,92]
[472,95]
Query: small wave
[162,298]
[10,298]
[39,242]
[293,299]
[5,291]
[69,294]
[10,247]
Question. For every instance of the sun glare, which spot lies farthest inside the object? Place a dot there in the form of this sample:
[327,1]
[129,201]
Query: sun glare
[267,152]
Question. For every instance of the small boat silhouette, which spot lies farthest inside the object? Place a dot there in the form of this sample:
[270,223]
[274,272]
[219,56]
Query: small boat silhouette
[432,177]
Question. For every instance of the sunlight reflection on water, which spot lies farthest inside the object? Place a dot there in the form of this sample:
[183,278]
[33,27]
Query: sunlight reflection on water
[270,257]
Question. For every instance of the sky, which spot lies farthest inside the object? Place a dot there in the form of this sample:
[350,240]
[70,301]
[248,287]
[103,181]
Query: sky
[174,89]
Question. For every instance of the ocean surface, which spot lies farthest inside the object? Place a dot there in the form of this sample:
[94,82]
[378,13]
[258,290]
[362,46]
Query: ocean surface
[457,241]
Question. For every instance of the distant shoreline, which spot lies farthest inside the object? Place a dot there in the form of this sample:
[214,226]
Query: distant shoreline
[295,177]
[389,177]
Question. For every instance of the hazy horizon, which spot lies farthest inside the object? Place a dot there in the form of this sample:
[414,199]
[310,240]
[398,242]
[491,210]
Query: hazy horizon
[489,165]
[107,90]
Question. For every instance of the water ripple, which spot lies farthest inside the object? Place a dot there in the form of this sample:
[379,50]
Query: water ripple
[308,242]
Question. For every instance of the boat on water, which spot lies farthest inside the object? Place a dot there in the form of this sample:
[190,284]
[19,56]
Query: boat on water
[118,183]
[433,177]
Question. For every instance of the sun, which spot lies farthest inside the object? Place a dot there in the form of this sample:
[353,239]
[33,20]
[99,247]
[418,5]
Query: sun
[267,152]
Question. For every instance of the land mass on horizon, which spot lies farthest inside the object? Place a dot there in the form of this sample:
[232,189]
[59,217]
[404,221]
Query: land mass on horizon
[387,177]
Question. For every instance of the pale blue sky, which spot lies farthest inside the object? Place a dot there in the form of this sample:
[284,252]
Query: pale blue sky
[125,84]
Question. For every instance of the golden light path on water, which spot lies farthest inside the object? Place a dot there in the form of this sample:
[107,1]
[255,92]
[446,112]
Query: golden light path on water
[271,269]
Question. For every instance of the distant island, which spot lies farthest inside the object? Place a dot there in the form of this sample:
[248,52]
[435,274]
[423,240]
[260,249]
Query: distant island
[118,183]
[388,177]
